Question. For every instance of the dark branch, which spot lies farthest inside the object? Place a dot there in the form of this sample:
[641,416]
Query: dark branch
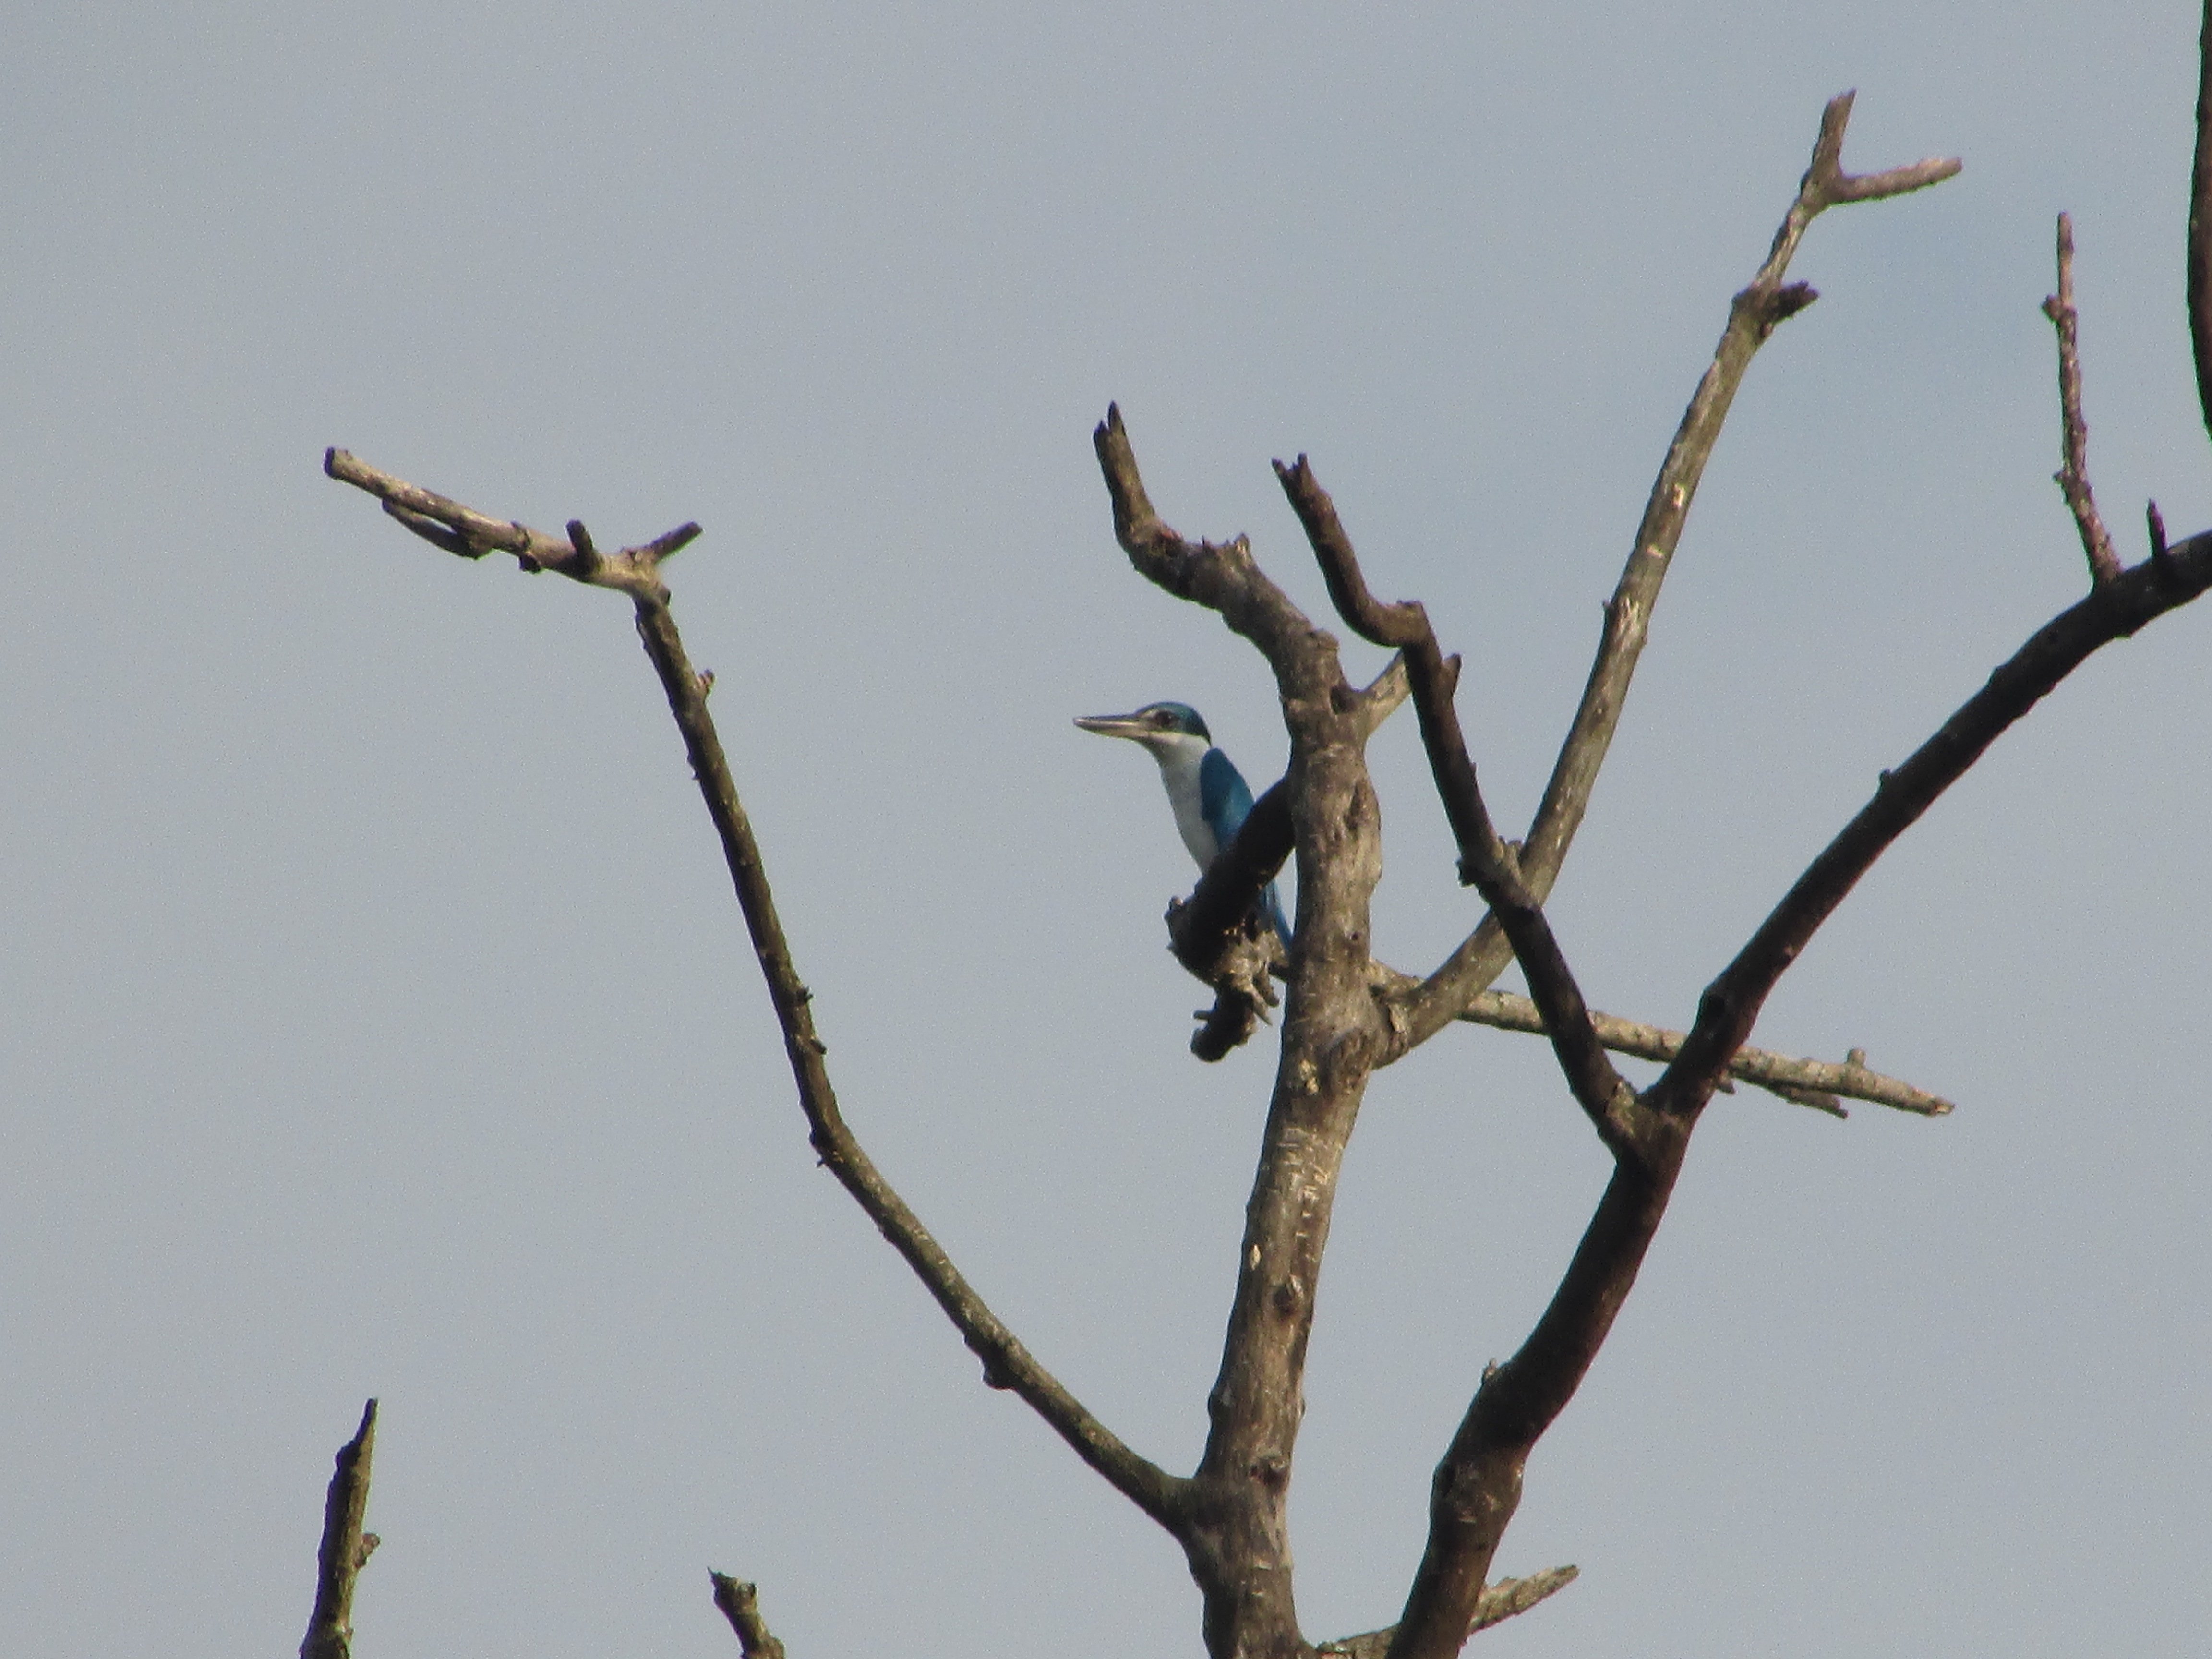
[1007,1363]
[1478,1484]
[1752,316]
[2112,610]
[345,1547]
[2200,224]
[740,1605]
[2073,475]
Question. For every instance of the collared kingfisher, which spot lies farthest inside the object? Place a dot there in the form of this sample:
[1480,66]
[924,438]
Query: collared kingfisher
[1209,795]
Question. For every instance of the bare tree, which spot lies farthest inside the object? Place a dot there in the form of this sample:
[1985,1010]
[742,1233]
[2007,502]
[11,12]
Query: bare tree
[1346,1014]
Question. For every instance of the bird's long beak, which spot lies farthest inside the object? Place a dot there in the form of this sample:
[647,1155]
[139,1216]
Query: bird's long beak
[1114,726]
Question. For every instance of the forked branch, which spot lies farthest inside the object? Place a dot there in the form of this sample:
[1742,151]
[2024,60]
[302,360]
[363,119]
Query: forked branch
[1754,314]
[1477,1484]
[1484,860]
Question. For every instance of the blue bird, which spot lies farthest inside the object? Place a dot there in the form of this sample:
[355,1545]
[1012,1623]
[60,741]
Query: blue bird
[1209,795]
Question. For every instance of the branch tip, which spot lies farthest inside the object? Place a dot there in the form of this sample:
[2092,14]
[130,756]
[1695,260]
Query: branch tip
[2073,475]
[344,1549]
[740,1604]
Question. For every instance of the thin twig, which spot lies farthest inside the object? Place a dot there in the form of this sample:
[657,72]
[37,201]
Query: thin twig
[345,1547]
[1007,1363]
[2073,475]
[1754,314]
[1815,1082]
[740,1605]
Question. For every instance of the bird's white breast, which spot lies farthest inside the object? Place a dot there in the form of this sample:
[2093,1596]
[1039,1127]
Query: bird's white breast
[1179,760]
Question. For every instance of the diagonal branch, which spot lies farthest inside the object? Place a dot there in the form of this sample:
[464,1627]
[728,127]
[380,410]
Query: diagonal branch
[2073,475]
[1754,314]
[2113,611]
[345,1547]
[1007,1363]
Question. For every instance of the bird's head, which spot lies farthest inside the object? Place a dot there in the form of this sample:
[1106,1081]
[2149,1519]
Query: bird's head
[1161,727]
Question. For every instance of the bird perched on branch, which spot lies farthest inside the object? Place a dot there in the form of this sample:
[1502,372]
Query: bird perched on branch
[1209,795]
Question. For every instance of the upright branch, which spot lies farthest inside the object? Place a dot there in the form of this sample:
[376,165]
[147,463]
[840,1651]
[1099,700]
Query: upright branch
[1761,307]
[2073,475]
[2200,224]
[740,1605]
[1007,1363]
[345,1547]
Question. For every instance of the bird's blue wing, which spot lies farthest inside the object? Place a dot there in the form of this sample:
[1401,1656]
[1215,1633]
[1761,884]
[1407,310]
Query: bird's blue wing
[1225,800]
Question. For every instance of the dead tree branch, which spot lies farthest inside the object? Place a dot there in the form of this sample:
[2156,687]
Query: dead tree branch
[1763,305]
[740,1605]
[1820,1083]
[1477,1486]
[2073,475]
[1239,1543]
[2200,224]
[1007,1363]
[1501,1601]
[345,1547]
[2113,611]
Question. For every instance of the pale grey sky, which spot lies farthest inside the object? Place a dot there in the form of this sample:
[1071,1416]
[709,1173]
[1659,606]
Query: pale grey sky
[378,1021]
